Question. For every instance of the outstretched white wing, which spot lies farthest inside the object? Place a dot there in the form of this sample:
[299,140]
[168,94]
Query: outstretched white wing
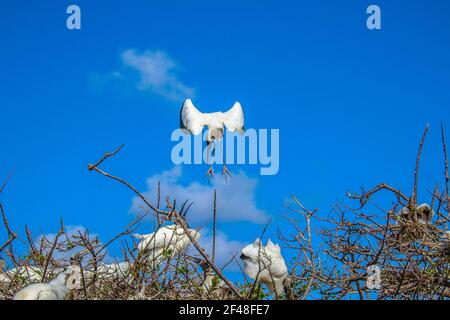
[234,118]
[191,119]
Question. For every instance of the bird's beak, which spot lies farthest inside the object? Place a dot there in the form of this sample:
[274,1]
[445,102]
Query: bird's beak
[243,256]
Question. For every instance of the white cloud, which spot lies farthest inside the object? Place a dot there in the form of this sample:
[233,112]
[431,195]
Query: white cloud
[235,198]
[225,248]
[71,232]
[156,72]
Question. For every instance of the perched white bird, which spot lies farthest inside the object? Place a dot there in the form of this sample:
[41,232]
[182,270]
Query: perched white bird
[54,290]
[166,242]
[424,213]
[116,270]
[192,121]
[265,264]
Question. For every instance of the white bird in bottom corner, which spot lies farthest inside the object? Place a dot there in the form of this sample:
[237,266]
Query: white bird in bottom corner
[166,242]
[265,264]
[54,290]
[193,121]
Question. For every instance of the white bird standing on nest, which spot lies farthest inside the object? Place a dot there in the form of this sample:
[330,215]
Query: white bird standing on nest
[265,264]
[104,271]
[54,290]
[424,213]
[193,121]
[115,270]
[166,242]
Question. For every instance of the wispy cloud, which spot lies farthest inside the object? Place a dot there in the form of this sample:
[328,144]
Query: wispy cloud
[156,72]
[235,198]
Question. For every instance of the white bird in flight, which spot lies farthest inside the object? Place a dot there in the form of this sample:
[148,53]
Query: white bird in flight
[54,290]
[265,264]
[193,121]
[167,241]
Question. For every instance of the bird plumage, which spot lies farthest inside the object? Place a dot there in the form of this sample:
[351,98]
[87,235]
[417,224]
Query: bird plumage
[116,270]
[265,264]
[54,290]
[192,120]
[166,242]
[424,213]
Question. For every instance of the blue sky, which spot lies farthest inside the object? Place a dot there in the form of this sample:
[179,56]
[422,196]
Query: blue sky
[350,103]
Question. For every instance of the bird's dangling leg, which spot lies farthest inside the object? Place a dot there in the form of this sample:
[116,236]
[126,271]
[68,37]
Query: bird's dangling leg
[225,171]
[210,172]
